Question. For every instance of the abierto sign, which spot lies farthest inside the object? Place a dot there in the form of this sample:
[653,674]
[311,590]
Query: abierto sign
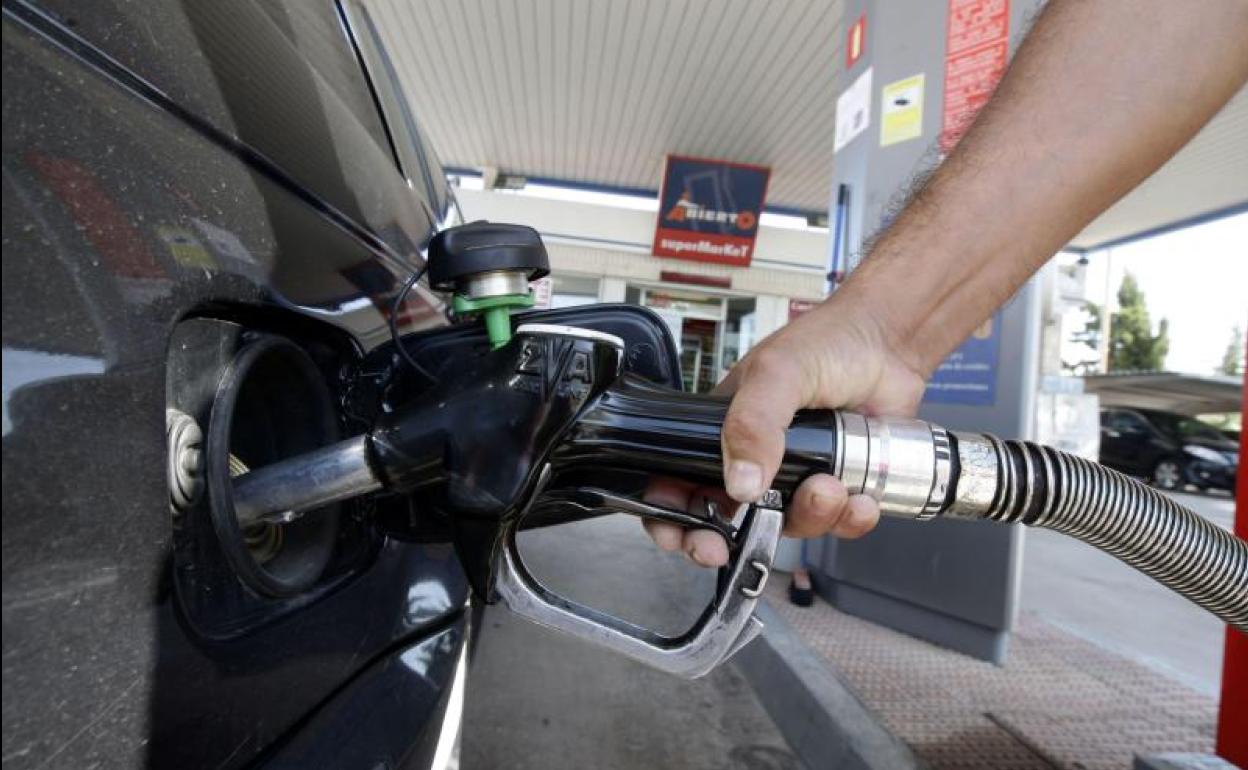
[709,210]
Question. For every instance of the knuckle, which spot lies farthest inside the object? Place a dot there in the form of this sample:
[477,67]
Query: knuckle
[770,362]
[744,426]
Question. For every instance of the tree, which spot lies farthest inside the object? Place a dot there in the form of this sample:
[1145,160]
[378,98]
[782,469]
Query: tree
[1089,335]
[1233,358]
[1132,344]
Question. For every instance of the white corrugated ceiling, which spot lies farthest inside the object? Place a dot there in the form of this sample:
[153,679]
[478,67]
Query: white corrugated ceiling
[599,92]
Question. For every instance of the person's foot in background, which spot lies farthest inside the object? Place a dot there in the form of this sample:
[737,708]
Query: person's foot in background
[801,592]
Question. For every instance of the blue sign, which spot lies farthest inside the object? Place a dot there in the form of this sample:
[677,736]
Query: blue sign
[969,375]
[709,210]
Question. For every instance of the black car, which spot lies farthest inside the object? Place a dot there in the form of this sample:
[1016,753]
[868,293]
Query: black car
[1171,450]
[209,211]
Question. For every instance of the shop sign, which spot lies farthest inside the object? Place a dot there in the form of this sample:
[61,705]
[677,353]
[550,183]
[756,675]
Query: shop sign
[969,375]
[709,210]
[977,42]
[714,281]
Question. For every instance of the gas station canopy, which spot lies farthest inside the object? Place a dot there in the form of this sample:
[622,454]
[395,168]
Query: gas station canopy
[1184,393]
[598,93]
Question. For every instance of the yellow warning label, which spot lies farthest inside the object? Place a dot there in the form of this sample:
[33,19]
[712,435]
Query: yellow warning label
[901,110]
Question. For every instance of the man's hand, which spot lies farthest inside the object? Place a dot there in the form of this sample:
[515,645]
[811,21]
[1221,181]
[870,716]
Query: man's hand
[834,356]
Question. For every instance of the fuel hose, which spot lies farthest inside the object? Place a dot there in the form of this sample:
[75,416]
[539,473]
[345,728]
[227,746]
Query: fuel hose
[915,469]
[918,470]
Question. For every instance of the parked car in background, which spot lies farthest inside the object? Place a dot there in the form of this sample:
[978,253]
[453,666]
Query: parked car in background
[1171,450]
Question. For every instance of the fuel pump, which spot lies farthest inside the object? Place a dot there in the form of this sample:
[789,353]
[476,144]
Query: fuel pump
[533,428]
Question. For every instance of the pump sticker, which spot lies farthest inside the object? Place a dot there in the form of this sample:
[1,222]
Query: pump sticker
[901,110]
[969,375]
[853,111]
[709,210]
[977,41]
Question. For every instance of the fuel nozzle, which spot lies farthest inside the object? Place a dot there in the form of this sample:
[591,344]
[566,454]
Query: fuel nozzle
[521,430]
[488,267]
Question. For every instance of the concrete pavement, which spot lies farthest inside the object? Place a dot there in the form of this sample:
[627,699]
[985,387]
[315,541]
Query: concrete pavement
[537,699]
[1090,593]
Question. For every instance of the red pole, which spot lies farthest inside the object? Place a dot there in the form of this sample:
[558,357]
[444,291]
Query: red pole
[1233,711]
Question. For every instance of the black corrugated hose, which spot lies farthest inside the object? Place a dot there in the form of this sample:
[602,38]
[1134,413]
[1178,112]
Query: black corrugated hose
[1044,487]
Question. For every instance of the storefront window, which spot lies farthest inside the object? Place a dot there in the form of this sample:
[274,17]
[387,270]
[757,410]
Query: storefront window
[712,331]
[573,290]
[739,333]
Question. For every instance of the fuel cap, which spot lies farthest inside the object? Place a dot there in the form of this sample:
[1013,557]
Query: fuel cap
[457,254]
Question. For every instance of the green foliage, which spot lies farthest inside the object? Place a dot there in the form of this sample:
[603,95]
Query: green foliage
[1233,358]
[1132,344]
[1089,335]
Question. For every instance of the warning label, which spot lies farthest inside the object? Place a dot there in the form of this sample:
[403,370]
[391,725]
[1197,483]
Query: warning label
[976,50]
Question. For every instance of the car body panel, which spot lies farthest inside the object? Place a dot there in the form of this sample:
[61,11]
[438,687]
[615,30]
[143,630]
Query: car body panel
[123,215]
[281,78]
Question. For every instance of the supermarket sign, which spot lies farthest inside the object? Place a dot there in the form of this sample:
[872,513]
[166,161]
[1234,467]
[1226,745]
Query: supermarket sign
[709,210]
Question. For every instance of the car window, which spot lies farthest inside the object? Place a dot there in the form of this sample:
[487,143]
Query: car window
[1127,422]
[1197,429]
[316,30]
[1185,427]
[417,161]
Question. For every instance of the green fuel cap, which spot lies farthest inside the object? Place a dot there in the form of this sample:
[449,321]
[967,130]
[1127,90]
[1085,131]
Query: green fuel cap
[496,311]
[488,267]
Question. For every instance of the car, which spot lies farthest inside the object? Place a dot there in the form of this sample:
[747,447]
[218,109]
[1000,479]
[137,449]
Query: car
[210,210]
[1171,450]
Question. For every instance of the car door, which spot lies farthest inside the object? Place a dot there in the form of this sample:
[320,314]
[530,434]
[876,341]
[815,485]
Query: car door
[181,179]
[1124,441]
[1112,440]
[1135,448]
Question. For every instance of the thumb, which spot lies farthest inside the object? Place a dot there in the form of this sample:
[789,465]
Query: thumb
[770,390]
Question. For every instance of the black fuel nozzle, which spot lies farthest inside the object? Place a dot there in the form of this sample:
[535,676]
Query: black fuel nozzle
[491,446]
[474,447]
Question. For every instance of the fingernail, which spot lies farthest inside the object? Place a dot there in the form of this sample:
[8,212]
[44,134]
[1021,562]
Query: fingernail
[744,481]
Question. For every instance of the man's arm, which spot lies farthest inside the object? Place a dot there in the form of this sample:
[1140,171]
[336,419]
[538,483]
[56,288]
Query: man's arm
[1099,95]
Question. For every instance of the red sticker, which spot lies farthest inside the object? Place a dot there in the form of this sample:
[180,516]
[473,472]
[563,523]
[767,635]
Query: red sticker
[977,43]
[856,41]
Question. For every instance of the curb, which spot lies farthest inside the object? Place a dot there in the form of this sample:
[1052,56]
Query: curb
[821,718]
